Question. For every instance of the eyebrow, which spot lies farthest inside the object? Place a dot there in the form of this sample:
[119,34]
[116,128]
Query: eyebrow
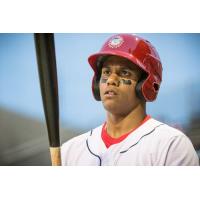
[105,66]
[122,67]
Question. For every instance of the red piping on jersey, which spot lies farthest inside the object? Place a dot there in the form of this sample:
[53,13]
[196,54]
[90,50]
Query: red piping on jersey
[108,140]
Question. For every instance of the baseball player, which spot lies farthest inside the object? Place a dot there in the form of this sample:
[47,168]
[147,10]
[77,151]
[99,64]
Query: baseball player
[127,74]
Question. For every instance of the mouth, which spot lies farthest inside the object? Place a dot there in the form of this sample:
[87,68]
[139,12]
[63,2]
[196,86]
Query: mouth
[110,93]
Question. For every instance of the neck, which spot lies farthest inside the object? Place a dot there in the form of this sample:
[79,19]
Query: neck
[117,125]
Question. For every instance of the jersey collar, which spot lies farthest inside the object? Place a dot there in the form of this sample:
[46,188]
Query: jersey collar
[97,146]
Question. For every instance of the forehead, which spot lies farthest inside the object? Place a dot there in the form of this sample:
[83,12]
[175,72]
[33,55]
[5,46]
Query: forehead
[117,61]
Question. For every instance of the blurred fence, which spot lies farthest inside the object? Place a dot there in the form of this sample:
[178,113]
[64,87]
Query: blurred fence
[24,141]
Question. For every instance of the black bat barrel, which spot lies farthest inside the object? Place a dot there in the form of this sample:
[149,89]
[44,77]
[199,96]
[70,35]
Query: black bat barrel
[46,58]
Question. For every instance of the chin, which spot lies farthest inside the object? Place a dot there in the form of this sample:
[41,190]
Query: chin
[110,106]
[118,108]
[113,107]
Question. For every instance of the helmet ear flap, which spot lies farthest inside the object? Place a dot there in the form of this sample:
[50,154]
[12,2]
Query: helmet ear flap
[95,88]
[138,90]
[138,87]
[144,85]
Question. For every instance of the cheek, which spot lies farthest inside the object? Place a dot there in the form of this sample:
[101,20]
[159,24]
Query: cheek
[102,87]
[130,93]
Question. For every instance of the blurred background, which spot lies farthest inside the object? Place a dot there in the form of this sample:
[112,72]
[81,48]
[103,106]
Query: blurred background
[23,133]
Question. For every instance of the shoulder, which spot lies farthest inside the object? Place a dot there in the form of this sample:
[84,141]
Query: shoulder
[160,132]
[167,134]
[164,129]
[80,138]
[175,145]
[163,132]
[75,140]
[76,144]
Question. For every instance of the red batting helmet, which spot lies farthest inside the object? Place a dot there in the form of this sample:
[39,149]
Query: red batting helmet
[140,52]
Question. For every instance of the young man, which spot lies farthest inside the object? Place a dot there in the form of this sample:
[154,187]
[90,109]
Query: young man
[127,74]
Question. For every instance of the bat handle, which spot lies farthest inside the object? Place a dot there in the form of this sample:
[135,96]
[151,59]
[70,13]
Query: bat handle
[55,156]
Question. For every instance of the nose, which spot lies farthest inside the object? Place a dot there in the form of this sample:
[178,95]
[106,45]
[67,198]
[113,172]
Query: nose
[113,79]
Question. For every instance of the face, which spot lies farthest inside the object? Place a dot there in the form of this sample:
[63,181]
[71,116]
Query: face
[119,77]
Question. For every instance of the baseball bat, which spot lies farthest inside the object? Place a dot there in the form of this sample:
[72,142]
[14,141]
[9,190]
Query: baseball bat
[46,59]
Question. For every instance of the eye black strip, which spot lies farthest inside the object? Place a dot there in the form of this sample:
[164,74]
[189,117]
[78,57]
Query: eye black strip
[103,80]
[141,138]
[126,82]
[93,153]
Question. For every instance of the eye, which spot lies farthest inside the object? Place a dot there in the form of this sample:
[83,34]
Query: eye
[125,73]
[106,72]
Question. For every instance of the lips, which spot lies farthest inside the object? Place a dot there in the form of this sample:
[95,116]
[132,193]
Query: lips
[110,93]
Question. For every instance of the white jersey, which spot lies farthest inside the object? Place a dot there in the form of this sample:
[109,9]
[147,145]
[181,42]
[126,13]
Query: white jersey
[153,143]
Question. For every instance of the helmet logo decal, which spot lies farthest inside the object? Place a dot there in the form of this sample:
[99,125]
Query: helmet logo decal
[116,42]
